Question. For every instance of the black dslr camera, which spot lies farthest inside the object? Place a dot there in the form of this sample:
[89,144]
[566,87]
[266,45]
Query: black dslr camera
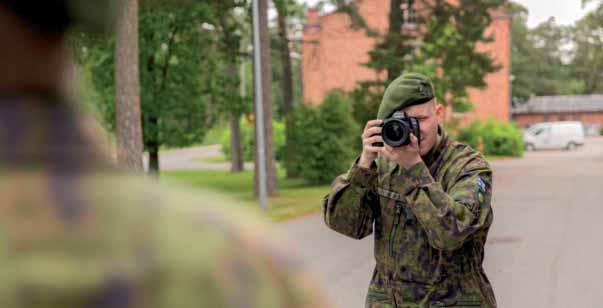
[397,129]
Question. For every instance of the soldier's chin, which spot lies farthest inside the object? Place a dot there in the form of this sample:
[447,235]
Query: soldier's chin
[424,148]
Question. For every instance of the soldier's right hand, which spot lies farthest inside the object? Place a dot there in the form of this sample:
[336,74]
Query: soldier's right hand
[370,135]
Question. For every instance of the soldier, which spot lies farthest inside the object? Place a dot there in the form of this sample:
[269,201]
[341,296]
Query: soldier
[427,203]
[76,233]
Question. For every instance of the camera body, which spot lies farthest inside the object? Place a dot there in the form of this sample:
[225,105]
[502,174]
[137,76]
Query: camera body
[396,130]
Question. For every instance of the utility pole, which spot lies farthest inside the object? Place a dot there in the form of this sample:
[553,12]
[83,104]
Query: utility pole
[259,108]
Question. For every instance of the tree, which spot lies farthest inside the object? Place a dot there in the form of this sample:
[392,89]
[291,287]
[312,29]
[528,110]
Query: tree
[523,55]
[178,74]
[539,58]
[127,91]
[266,76]
[448,50]
[552,71]
[587,58]
[390,55]
[231,36]
[286,9]
[439,41]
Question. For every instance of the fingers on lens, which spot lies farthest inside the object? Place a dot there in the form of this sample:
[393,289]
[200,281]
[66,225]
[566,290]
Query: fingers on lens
[372,123]
[371,132]
[373,149]
[373,139]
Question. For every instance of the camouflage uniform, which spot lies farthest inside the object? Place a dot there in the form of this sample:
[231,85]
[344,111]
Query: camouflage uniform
[76,233]
[430,224]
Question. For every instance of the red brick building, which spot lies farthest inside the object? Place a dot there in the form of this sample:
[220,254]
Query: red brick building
[333,55]
[587,109]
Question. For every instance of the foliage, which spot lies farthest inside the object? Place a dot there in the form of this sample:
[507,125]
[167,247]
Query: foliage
[248,140]
[178,77]
[445,51]
[365,102]
[551,59]
[493,138]
[448,53]
[326,137]
[587,59]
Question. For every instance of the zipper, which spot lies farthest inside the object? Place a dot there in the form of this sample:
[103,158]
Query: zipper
[393,230]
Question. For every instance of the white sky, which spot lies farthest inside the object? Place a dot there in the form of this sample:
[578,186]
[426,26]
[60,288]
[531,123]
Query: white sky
[565,12]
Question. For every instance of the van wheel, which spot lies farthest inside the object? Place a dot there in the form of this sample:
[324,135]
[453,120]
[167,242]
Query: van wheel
[571,146]
[530,147]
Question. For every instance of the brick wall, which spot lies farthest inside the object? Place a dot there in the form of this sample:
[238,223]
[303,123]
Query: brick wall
[333,54]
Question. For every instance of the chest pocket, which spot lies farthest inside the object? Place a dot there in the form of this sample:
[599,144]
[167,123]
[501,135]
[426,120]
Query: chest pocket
[405,240]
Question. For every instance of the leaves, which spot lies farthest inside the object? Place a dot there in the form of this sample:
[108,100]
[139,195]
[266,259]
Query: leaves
[182,71]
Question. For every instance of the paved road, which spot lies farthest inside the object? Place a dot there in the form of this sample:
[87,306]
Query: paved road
[544,249]
[192,158]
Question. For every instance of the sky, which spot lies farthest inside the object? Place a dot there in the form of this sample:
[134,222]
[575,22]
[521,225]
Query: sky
[566,12]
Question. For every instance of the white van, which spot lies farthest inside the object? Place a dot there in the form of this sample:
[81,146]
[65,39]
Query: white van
[554,135]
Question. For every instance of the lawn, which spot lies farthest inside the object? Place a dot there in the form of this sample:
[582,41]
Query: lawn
[295,197]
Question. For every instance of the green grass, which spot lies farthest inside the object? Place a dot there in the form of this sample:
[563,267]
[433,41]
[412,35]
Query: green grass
[295,197]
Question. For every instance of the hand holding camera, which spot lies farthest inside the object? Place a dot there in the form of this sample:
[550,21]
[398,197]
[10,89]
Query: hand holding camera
[401,135]
[371,137]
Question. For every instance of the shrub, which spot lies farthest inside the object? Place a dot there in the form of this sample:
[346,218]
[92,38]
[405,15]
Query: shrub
[248,140]
[325,139]
[497,138]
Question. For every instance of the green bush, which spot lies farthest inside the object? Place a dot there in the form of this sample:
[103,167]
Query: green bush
[248,139]
[497,138]
[325,139]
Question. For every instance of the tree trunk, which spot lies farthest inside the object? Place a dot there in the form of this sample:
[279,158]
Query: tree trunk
[286,63]
[154,161]
[127,90]
[236,149]
[153,147]
[266,72]
[395,26]
[287,84]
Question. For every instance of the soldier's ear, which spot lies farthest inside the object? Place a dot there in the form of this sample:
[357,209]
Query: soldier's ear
[440,112]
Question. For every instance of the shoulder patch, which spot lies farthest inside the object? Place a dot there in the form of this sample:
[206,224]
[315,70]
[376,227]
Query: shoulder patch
[481,185]
[481,191]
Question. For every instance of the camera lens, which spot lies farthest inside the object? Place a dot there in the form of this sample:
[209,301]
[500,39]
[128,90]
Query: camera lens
[395,133]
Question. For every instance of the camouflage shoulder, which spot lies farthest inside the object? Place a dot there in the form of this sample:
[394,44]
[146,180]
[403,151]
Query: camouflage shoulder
[82,239]
[468,158]
[244,263]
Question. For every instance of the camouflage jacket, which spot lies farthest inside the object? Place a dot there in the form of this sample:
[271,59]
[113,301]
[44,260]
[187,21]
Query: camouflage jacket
[76,233]
[430,222]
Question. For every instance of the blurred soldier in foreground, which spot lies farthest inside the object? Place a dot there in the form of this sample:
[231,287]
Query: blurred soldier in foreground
[425,197]
[76,233]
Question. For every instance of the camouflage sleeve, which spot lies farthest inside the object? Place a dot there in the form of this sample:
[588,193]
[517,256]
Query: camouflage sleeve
[450,217]
[348,209]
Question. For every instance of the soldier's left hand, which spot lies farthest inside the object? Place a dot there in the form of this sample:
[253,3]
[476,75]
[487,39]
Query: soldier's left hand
[405,156]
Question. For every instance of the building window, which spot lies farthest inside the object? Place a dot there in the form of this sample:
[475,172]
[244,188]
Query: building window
[409,11]
[577,117]
[546,117]
[561,117]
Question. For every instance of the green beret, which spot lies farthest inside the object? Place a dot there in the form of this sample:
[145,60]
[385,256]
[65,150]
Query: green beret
[407,90]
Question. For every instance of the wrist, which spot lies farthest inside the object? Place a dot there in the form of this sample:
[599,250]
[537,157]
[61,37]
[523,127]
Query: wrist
[364,163]
[410,163]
